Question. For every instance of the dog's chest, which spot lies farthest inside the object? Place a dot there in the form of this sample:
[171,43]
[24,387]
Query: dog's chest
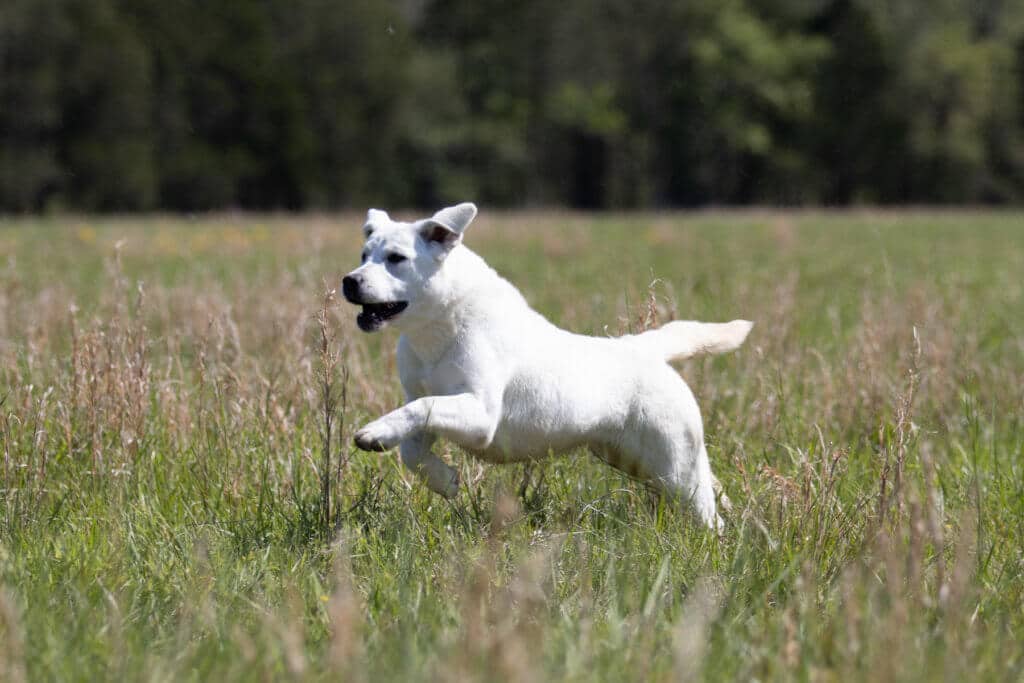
[443,379]
[439,368]
[436,379]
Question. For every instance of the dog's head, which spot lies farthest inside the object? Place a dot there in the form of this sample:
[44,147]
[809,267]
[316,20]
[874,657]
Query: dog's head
[399,260]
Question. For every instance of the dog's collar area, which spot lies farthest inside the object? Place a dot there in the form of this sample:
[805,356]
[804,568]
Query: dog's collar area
[375,315]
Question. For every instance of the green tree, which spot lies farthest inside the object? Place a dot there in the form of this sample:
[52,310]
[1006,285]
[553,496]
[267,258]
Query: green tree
[30,103]
[216,85]
[207,104]
[956,87]
[345,71]
[105,139]
[860,130]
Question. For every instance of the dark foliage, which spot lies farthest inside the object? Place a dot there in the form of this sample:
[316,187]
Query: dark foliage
[123,105]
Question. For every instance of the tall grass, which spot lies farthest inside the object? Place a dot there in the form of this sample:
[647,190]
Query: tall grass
[180,499]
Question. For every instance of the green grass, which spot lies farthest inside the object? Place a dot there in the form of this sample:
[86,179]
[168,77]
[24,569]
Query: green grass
[162,436]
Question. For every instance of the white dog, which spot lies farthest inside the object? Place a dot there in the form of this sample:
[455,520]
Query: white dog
[483,369]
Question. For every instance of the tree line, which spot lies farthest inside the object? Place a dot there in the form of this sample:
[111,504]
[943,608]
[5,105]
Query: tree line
[188,105]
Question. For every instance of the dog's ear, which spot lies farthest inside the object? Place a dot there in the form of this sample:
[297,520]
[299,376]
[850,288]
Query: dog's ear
[445,227]
[374,216]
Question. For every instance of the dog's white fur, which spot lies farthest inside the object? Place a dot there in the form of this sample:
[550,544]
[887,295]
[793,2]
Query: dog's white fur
[483,369]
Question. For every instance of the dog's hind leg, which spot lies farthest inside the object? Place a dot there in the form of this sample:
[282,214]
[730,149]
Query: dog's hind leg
[673,472]
[703,493]
[697,490]
[436,474]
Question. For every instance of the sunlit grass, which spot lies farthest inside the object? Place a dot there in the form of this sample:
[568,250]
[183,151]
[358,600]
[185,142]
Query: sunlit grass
[162,432]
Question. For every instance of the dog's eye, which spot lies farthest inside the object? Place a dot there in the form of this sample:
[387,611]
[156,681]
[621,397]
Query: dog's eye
[362,259]
[396,258]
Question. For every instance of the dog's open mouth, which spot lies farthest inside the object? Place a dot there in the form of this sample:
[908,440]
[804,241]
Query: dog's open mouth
[375,315]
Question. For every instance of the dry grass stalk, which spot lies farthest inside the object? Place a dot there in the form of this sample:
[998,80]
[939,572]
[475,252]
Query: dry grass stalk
[693,629]
[895,447]
[12,652]
[326,371]
[345,612]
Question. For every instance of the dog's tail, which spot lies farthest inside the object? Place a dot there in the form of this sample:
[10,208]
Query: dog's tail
[681,339]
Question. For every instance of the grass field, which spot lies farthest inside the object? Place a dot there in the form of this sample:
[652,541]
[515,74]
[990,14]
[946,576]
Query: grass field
[164,388]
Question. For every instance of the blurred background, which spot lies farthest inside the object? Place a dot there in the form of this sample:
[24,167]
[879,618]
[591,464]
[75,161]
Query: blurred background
[190,105]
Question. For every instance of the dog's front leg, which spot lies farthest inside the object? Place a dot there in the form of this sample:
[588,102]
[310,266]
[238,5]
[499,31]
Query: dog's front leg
[436,474]
[463,418]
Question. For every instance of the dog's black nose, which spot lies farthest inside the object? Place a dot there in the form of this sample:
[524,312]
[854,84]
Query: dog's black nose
[350,288]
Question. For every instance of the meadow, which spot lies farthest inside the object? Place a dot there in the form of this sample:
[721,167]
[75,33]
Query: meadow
[180,499]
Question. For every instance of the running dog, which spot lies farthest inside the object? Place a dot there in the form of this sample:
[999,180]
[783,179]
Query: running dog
[483,369]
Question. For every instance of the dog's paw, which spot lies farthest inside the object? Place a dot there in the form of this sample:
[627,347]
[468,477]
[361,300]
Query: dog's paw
[376,436]
[367,444]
